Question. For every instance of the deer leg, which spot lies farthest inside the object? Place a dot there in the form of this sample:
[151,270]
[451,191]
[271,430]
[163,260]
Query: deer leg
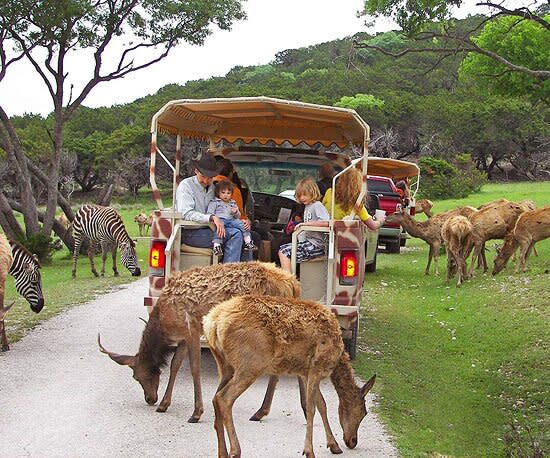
[225,376]
[194,345]
[76,251]
[268,399]
[91,252]
[312,388]
[430,255]
[175,365]
[525,250]
[437,246]
[224,400]
[303,395]
[5,344]
[475,256]
[113,252]
[483,259]
[332,444]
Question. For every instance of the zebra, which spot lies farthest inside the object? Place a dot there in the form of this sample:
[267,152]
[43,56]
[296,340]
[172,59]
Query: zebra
[103,225]
[25,269]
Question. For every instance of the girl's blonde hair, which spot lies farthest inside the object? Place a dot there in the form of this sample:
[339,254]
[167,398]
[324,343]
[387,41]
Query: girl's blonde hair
[308,187]
[348,187]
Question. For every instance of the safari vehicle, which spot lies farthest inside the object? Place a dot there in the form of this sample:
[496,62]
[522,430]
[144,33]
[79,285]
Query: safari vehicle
[383,194]
[279,139]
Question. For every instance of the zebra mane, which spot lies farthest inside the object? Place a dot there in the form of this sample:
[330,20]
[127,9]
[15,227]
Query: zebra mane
[25,251]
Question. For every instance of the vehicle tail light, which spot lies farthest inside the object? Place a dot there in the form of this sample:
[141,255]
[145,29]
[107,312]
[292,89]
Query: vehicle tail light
[348,266]
[157,258]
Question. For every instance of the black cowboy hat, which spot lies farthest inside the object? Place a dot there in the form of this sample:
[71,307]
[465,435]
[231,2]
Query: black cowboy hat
[207,165]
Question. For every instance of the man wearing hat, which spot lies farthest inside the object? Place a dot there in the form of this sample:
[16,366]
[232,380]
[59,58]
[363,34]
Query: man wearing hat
[192,197]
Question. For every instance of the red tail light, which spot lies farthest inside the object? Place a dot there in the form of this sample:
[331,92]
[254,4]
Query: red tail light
[157,258]
[348,265]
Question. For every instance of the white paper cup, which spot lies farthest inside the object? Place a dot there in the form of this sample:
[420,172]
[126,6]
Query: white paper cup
[379,214]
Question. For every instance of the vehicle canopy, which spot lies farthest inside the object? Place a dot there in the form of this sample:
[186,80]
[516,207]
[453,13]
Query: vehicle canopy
[264,120]
[396,170]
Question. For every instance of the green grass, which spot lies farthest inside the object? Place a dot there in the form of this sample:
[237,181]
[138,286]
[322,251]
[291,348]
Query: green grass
[461,371]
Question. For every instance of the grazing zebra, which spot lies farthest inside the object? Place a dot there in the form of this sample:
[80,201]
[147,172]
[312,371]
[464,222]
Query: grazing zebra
[103,225]
[25,269]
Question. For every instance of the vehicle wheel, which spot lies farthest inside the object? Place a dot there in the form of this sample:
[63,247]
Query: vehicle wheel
[402,241]
[372,266]
[350,344]
[393,246]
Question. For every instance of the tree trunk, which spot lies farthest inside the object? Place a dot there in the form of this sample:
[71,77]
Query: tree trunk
[105,195]
[9,223]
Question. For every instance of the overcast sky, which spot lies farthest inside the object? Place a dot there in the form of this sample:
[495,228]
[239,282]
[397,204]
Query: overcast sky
[272,26]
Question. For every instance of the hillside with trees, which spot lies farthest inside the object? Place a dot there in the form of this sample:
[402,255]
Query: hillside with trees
[420,105]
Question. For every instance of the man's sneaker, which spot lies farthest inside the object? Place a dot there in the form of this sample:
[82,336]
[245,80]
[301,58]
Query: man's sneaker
[249,246]
[217,250]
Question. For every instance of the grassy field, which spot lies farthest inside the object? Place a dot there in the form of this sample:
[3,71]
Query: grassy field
[462,372]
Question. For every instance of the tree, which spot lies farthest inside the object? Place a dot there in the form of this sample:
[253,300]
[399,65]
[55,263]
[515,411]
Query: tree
[47,33]
[525,43]
[445,38]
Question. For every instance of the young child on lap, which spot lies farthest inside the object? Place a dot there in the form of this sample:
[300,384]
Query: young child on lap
[310,244]
[225,208]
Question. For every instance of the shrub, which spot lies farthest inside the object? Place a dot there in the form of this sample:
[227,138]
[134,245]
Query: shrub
[39,244]
[442,180]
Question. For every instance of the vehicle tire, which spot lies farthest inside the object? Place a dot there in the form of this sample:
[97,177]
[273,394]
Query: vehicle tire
[350,345]
[402,241]
[394,246]
[372,266]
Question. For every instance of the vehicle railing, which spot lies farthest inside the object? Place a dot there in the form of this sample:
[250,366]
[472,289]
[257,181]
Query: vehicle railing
[176,236]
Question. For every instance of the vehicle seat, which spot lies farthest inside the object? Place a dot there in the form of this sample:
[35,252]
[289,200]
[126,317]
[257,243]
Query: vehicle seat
[313,278]
[192,256]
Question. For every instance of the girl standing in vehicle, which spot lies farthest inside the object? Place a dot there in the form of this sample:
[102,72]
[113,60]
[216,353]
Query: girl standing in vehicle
[310,244]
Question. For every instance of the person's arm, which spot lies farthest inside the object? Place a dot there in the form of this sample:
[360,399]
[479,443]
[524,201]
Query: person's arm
[185,203]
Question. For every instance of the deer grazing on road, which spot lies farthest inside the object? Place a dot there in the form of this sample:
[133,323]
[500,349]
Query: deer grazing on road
[252,335]
[531,227]
[176,319]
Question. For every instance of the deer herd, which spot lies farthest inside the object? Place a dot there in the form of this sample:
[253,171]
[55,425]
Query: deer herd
[465,230]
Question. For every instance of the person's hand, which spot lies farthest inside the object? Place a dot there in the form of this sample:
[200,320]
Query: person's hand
[220,228]
[233,209]
[246,224]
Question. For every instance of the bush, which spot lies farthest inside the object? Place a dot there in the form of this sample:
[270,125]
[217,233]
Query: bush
[39,244]
[442,180]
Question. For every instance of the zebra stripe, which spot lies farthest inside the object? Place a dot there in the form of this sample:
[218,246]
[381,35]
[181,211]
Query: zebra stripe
[25,269]
[103,225]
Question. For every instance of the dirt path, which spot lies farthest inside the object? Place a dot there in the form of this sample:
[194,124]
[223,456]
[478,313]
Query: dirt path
[61,397]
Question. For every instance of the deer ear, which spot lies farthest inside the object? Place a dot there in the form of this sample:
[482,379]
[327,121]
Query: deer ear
[367,386]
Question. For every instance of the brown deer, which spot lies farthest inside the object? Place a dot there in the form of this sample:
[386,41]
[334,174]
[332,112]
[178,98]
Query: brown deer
[252,335]
[176,319]
[493,221]
[531,227]
[424,206]
[429,231]
[144,223]
[457,236]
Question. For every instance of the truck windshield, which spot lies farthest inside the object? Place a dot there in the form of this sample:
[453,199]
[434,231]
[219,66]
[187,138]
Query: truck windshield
[379,186]
[274,177]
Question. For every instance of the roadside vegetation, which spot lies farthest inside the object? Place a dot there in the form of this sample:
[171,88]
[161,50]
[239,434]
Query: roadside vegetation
[461,371]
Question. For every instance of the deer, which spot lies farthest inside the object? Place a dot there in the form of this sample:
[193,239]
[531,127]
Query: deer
[144,223]
[531,227]
[424,206]
[456,233]
[429,231]
[253,335]
[177,316]
[493,221]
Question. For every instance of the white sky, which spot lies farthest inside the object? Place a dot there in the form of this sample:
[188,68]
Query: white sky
[272,26]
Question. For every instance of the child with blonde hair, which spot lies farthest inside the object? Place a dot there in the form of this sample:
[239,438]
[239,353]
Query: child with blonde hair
[310,244]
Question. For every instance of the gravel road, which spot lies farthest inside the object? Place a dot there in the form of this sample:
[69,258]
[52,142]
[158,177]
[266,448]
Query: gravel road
[60,397]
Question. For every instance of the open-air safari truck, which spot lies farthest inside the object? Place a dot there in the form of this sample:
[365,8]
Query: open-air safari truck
[384,195]
[281,141]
